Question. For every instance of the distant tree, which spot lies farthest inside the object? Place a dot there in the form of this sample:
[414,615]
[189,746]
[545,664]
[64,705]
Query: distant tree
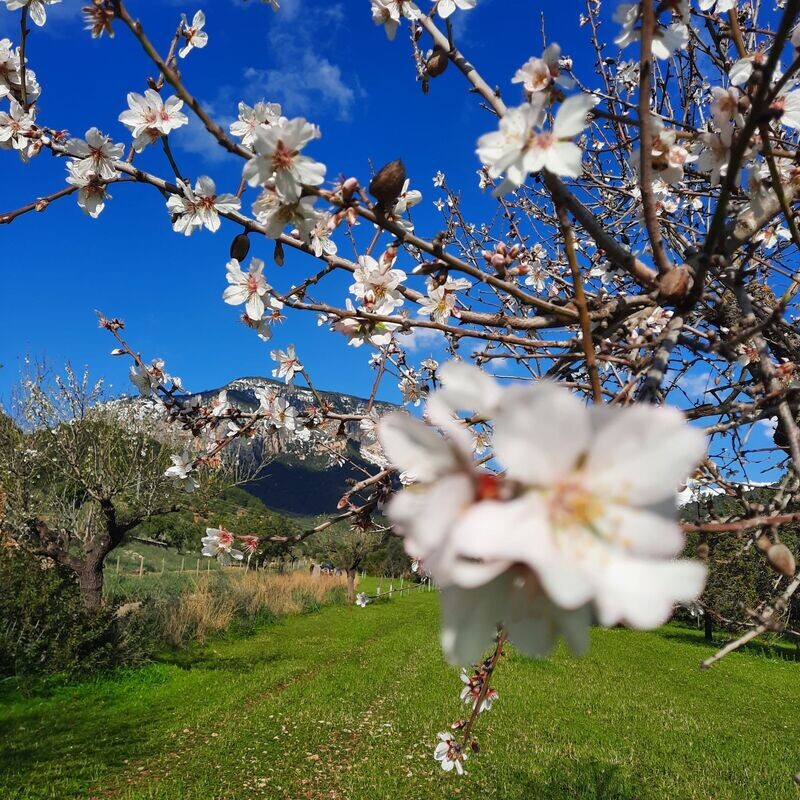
[78,474]
[347,549]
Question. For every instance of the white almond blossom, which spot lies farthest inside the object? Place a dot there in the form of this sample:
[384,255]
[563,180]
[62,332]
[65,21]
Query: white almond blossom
[446,7]
[581,523]
[376,284]
[36,8]
[517,149]
[181,472]
[788,104]
[16,130]
[193,34]
[254,118]
[149,117]
[407,199]
[278,155]
[358,330]
[719,6]
[770,235]
[276,214]
[389,12]
[320,237]
[288,364]
[11,74]
[246,287]
[666,39]
[200,207]
[449,753]
[96,155]
[539,74]
[218,543]
[91,190]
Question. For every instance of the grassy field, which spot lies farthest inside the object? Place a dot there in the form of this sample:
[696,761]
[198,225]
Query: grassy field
[346,703]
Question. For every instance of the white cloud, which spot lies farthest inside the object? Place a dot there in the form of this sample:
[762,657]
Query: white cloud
[302,82]
[428,339]
[194,138]
[301,76]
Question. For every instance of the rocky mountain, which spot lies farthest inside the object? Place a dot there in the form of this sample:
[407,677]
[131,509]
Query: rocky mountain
[309,479]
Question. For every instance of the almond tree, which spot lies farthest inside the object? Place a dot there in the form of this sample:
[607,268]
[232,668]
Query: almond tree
[642,235]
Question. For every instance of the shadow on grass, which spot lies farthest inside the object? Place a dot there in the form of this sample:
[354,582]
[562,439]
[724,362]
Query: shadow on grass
[777,650]
[589,779]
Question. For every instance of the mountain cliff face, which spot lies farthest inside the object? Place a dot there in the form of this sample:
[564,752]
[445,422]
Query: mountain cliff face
[308,480]
[312,481]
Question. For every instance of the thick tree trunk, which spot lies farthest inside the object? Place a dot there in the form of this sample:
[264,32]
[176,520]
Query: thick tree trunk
[90,580]
[708,627]
[351,585]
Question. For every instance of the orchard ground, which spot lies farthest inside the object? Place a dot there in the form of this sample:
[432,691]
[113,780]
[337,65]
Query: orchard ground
[346,703]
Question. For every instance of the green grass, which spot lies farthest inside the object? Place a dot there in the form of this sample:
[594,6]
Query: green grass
[346,703]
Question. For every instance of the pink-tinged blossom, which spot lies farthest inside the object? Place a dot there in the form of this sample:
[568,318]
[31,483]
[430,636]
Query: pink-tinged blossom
[36,8]
[276,214]
[581,523]
[194,36]
[201,207]
[278,156]
[358,331]
[288,364]
[539,74]
[518,149]
[376,284]
[149,117]
[91,190]
[254,118]
[16,130]
[95,155]
[449,754]
[218,543]
[787,107]
[246,287]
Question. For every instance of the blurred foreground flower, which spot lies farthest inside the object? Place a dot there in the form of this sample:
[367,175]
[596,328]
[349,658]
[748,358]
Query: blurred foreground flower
[579,525]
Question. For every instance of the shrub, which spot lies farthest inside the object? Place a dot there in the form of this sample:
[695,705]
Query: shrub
[45,628]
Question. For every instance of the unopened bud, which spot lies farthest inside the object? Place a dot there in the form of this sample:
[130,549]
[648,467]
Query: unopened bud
[781,560]
[702,551]
[349,188]
[240,247]
[673,286]
[436,63]
[388,182]
[278,255]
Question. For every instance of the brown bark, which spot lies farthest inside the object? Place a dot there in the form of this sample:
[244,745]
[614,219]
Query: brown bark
[90,581]
[351,586]
[708,628]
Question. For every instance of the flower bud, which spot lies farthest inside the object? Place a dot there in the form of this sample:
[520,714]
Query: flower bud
[278,254]
[781,560]
[673,286]
[436,63]
[702,551]
[388,182]
[349,188]
[240,247]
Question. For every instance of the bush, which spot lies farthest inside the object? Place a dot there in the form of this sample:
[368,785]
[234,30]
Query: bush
[45,629]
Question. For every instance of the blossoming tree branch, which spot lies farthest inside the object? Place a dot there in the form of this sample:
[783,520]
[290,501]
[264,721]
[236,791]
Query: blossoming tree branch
[643,232]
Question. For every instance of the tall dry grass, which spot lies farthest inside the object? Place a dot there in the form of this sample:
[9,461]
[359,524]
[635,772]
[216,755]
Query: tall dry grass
[213,603]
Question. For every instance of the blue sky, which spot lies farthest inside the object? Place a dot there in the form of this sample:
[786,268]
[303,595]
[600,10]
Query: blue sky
[322,60]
